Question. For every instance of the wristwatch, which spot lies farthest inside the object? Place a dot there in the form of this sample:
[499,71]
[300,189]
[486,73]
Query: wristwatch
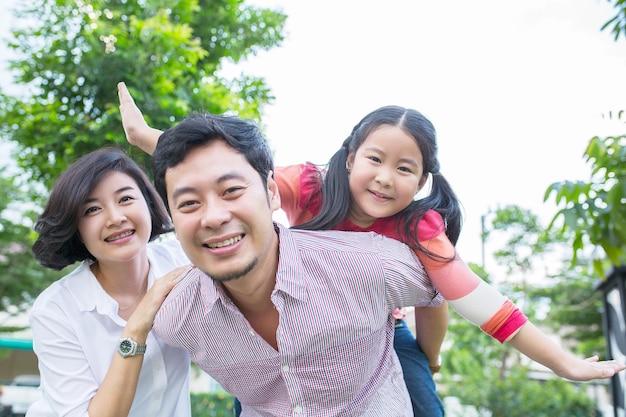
[129,347]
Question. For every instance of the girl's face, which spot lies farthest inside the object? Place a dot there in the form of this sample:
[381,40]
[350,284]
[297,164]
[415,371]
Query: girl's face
[386,172]
[114,223]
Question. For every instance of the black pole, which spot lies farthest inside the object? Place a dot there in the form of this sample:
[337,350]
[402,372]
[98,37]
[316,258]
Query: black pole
[614,324]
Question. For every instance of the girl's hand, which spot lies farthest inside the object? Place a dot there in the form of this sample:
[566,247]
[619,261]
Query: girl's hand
[142,318]
[590,368]
[138,133]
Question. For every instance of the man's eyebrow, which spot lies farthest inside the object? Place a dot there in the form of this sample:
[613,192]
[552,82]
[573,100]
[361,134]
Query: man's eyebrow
[182,190]
[222,178]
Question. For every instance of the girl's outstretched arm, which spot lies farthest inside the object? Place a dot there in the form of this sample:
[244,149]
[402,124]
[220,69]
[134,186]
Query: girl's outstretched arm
[137,131]
[483,305]
[535,344]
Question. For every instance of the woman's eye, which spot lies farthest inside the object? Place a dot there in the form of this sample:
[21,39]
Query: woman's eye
[126,198]
[91,210]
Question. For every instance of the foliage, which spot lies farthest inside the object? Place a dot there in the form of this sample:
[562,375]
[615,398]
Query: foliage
[595,211]
[71,55]
[575,310]
[215,404]
[471,371]
[20,277]
[618,22]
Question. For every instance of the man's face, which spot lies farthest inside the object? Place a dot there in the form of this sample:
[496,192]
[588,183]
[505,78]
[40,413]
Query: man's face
[221,211]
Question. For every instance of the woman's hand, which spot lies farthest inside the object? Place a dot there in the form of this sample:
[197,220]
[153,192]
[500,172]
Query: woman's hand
[142,318]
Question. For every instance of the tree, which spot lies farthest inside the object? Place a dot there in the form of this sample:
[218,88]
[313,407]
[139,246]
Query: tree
[71,54]
[618,22]
[594,210]
[20,277]
[69,57]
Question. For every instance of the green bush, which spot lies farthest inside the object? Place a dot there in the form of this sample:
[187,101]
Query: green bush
[215,404]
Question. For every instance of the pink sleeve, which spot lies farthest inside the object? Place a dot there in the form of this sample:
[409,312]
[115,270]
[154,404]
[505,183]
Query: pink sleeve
[452,279]
[299,189]
[469,295]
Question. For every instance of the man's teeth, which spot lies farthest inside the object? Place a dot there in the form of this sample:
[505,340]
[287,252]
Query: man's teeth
[121,236]
[226,242]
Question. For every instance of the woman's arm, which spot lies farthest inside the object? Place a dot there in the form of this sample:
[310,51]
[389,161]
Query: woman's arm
[117,391]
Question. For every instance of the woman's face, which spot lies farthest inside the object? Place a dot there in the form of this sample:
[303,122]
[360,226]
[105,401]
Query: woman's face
[114,223]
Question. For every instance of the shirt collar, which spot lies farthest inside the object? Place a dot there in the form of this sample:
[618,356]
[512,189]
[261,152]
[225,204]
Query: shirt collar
[88,293]
[291,277]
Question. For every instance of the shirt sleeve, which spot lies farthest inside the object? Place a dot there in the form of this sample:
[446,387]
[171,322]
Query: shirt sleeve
[66,373]
[470,296]
[406,282]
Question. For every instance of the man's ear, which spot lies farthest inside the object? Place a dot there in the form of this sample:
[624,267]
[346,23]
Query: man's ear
[273,196]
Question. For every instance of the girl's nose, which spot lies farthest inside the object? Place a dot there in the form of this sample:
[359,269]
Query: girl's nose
[384,177]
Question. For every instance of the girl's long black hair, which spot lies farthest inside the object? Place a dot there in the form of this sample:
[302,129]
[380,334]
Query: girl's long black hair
[336,195]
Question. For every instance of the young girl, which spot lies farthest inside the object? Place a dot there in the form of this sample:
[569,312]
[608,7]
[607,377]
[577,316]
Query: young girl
[370,186]
[92,329]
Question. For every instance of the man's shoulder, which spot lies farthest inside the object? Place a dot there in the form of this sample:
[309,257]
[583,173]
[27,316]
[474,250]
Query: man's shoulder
[336,240]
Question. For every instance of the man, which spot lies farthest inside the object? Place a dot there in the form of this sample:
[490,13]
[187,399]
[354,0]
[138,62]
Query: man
[290,322]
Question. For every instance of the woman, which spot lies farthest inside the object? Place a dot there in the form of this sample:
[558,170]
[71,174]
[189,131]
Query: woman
[92,328]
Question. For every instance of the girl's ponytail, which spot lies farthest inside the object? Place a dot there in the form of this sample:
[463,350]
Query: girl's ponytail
[336,196]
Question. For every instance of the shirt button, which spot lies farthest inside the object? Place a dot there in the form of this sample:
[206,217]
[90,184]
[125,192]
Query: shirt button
[297,409]
[286,368]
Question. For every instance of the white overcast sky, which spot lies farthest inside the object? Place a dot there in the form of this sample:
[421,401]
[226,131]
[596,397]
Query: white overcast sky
[515,89]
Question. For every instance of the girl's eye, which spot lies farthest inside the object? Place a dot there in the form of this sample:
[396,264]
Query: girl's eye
[126,199]
[405,169]
[374,159]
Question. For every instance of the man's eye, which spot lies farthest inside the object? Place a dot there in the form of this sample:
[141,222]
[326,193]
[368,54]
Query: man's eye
[186,204]
[233,190]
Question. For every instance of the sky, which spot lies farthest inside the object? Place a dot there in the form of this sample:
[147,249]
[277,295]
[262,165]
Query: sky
[514,89]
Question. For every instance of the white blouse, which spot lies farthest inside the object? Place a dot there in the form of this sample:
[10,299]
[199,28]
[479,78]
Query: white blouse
[76,329]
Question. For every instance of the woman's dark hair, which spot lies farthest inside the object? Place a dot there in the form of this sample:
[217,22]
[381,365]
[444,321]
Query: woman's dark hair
[199,130]
[336,195]
[58,244]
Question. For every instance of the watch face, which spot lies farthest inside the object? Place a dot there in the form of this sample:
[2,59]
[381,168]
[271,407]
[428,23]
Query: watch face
[126,346]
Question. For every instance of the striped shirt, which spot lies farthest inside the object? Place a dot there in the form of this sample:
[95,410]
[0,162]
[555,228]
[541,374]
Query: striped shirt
[328,363]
